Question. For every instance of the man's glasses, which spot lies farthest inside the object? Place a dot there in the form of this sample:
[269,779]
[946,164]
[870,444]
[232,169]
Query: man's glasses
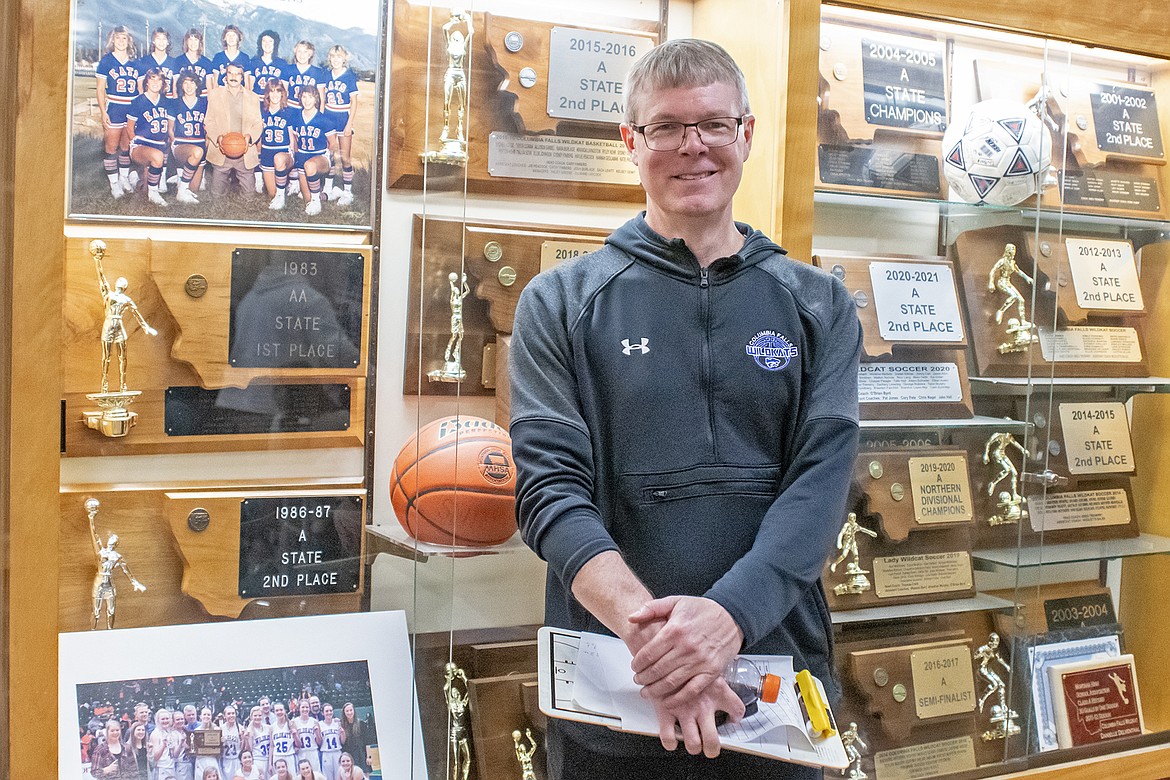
[668,136]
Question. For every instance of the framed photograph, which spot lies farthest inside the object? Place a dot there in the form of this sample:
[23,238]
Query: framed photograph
[193,112]
[1041,657]
[242,695]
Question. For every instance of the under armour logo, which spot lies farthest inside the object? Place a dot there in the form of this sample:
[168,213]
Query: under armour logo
[628,348]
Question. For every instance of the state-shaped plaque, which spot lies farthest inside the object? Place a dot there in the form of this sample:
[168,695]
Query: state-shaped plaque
[915,491]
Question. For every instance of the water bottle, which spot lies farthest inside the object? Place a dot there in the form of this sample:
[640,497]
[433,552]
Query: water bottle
[751,686]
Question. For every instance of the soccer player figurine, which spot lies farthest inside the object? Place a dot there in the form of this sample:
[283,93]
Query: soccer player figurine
[847,543]
[454,140]
[1020,330]
[114,419]
[457,708]
[1011,503]
[109,559]
[452,370]
[1002,717]
[524,754]
[852,740]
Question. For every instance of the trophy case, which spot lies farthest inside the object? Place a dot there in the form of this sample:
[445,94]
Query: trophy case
[1010,374]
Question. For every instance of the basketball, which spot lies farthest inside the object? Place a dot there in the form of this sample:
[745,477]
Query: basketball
[454,483]
[233,144]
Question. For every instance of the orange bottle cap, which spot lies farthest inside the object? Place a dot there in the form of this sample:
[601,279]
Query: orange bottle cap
[770,691]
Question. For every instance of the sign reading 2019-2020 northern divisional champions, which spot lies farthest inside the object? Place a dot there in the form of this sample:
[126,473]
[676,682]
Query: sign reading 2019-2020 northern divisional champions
[916,302]
[905,82]
[587,72]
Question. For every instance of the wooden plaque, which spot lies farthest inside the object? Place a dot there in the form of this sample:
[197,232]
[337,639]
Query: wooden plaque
[499,259]
[507,94]
[936,496]
[1067,339]
[497,709]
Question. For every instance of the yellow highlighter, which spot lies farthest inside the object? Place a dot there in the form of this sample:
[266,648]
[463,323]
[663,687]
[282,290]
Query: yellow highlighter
[814,705]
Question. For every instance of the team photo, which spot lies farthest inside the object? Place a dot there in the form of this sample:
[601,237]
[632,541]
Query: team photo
[208,112]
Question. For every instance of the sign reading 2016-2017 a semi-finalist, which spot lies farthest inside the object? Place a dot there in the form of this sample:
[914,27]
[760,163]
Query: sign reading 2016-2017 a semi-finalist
[299,545]
[916,302]
[905,83]
[1126,119]
[587,72]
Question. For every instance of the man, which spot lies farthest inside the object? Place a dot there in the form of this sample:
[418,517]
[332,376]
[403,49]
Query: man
[684,422]
[232,109]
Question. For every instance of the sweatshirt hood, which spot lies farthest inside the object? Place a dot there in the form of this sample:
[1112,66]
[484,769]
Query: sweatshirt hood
[672,255]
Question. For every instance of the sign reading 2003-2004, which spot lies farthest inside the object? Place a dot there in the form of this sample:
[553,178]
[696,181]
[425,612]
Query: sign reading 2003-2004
[905,83]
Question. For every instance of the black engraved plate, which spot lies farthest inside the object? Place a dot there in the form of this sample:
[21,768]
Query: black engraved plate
[879,439]
[295,309]
[1094,609]
[1126,120]
[1111,189]
[193,411]
[905,83]
[867,166]
[299,545]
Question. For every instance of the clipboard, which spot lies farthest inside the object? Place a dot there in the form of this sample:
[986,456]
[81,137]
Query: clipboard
[783,731]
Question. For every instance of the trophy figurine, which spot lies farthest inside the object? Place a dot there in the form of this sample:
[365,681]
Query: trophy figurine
[114,419]
[1003,718]
[524,754]
[1011,503]
[1020,330]
[456,712]
[453,140]
[851,740]
[452,370]
[109,559]
[847,544]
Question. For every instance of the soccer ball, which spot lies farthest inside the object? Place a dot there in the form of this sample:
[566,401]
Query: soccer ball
[995,153]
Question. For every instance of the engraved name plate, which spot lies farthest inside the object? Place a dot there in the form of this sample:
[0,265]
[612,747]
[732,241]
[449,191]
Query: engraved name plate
[1096,438]
[1090,344]
[943,682]
[1104,274]
[299,545]
[295,309]
[908,383]
[560,158]
[941,489]
[1126,120]
[1104,188]
[553,253]
[916,302]
[587,72]
[914,575]
[905,82]
[1095,704]
[1078,509]
[258,408]
[930,759]
[875,168]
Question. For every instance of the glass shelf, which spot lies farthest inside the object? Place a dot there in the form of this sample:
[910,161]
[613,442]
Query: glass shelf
[1071,552]
[393,539]
[1131,385]
[978,421]
[981,602]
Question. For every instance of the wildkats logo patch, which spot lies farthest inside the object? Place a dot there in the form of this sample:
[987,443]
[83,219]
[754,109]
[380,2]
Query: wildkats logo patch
[771,351]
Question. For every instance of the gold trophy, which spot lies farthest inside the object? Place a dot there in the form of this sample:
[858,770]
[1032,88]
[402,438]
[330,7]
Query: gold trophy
[1010,503]
[109,559]
[524,754]
[457,711]
[851,741]
[453,140]
[847,543]
[452,370]
[1020,331]
[114,418]
[1003,718]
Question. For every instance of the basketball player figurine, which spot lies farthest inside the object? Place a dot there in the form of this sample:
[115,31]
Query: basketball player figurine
[452,370]
[1002,717]
[115,419]
[457,710]
[851,740]
[1011,503]
[1020,330]
[454,139]
[847,544]
[524,754]
[108,560]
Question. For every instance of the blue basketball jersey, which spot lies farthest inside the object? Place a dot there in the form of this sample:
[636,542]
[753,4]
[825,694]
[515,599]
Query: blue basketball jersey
[298,78]
[152,121]
[263,71]
[200,67]
[313,134]
[277,129]
[189,120]
[339,90]
[220,62]
[121,78]
[167,66]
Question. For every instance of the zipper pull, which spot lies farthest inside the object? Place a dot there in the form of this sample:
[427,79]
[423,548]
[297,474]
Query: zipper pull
[658,493]
[702,277]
